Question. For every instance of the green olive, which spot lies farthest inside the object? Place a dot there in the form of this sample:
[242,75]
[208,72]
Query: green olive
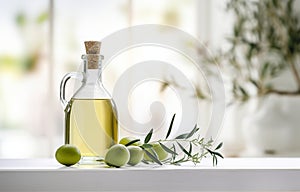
[68,155]
[126,140]
[161,153]
[117,156]
[136,155]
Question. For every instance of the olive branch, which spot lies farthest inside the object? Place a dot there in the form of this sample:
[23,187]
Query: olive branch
[198,148]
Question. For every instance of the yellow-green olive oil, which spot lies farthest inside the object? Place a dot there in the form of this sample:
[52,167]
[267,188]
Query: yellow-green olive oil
[93,126]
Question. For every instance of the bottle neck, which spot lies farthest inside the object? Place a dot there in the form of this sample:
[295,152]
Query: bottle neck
[92,87]
[93,76]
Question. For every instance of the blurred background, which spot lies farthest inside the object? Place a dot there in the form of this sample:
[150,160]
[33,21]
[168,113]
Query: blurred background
[256,45]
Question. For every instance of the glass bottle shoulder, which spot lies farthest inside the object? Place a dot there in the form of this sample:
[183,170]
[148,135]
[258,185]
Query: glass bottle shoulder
[92,91]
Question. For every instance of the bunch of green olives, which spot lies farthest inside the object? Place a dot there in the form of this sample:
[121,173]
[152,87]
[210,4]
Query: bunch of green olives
[120,154]
[117,156]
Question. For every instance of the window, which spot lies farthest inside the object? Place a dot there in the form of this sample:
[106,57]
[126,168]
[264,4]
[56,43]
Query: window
[38,48]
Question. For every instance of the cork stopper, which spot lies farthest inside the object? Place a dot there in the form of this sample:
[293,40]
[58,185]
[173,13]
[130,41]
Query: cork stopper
[92,49]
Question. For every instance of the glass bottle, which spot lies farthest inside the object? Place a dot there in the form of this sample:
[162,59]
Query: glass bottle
[90,116]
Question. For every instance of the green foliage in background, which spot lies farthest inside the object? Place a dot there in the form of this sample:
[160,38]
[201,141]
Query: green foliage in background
[265,42]
[28,61]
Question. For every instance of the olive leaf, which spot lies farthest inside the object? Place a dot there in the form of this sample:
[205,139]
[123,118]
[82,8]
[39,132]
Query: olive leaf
[174,155]
[188,135]
[218,154]
[195,129]
[147,145]
[153,156]
[167,149]
[219,146]
[132,142]
[148,137]
[144,161]
[190,150]
[171,125]
[214,153]
[179,161]
[184,150]
[182,136]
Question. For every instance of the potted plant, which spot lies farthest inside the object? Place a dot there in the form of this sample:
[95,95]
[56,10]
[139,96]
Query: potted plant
[262,68]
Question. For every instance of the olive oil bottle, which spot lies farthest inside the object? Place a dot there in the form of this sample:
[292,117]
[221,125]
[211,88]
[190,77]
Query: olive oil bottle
[90,116]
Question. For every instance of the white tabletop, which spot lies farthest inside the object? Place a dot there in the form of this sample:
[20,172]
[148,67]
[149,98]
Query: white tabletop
[263,174]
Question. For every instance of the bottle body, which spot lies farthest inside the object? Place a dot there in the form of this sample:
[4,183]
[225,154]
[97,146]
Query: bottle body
[93,126]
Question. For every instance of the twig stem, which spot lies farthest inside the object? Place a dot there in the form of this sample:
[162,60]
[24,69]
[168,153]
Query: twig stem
[296,74]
